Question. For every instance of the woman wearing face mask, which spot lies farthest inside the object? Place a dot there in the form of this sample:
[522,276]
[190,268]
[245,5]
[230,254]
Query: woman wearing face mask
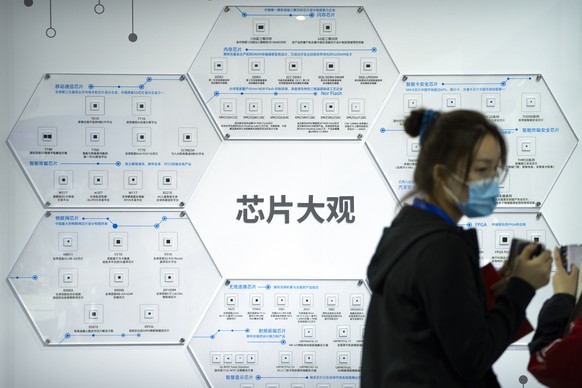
[427,323]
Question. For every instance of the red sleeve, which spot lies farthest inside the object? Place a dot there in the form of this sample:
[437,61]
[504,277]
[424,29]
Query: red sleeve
[558,364]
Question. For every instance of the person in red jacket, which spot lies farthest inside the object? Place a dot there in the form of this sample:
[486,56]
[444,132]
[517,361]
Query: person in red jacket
[556,348]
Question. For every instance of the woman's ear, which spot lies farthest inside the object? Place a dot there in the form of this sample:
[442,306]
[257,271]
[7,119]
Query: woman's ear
[439,173]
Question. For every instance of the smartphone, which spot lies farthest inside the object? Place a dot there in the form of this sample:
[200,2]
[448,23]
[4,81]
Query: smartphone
[517,246]
[571,254]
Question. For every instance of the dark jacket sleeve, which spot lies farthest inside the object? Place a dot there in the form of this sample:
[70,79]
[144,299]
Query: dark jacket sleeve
[471,337]
[552,321]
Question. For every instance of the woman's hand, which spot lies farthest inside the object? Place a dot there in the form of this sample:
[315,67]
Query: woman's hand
[534,270]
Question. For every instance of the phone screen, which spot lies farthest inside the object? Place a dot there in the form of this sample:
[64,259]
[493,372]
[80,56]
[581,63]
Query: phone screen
[571,254]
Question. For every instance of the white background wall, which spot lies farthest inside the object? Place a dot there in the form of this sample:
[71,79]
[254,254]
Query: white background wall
[5,297]
[423,37]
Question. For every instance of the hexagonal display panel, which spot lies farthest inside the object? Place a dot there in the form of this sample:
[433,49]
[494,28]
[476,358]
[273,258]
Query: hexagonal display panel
[283,333]
[116,278]
[540,140]
[114,140]
[293,72]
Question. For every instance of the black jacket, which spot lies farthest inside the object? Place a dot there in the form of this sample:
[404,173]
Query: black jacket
[552,321]
[427,323]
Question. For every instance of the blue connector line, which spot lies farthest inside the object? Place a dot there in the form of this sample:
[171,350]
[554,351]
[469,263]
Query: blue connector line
[33,277]
[93,163]
[276,93]
[116,226]
[384,130]
[213,336]
[502,83]
[94,335]
[139,86]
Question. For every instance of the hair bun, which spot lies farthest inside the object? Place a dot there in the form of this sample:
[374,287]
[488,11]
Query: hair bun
[419,121]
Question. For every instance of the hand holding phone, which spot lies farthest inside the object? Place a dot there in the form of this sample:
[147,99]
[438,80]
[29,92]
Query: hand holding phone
[531,263]
[517,246]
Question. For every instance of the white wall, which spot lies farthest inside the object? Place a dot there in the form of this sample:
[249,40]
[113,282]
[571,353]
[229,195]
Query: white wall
[5,30]
[423,36]
[5,297]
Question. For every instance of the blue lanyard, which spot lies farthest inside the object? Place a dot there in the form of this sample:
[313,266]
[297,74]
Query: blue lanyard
[429,207]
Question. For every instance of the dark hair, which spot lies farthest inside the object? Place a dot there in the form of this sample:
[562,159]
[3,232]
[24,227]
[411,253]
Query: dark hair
[450,138]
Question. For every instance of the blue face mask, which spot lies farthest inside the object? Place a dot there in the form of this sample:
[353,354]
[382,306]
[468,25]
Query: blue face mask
[482,198]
